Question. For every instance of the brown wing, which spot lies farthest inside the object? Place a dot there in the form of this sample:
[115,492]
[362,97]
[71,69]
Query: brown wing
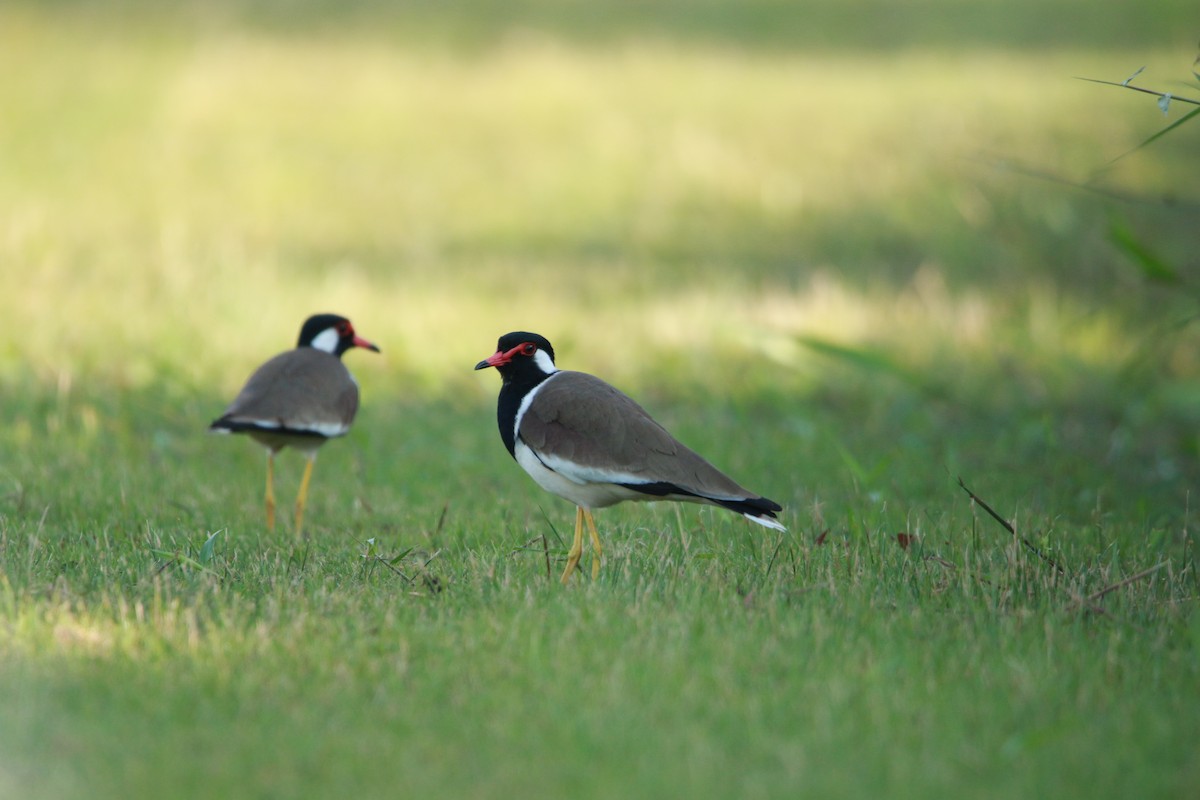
[301,390]
[579,424]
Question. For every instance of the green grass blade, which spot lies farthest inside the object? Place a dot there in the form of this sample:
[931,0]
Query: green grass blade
[1153,266]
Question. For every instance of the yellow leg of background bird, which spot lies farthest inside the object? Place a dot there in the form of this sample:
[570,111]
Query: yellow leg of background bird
[270,490]
[597,548]
[302,497]
[576,547]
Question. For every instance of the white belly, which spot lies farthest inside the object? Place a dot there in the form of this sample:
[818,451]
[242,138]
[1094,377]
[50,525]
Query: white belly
[586,494]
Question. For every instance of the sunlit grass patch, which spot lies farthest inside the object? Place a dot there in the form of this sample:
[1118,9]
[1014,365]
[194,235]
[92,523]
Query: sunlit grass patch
[531,185]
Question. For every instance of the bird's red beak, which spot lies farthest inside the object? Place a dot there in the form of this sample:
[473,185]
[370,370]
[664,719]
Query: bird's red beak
[495,360]
[364,344]
[499,358]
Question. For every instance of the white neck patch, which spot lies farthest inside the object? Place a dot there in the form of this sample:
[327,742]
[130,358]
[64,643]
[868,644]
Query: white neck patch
[542,359]
[527,400]
[327,340]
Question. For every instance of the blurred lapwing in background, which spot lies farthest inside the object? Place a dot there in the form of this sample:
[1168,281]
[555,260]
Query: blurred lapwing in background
[301,398]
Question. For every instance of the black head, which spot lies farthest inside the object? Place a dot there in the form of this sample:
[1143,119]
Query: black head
[331,333]
[523,360]
[521,352]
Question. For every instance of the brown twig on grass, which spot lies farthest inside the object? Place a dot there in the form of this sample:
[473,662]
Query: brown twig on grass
[773,557]
[1008,527]
[378,559]
[432,582]
[545,549]
[1090,600]
[437,529]
[944,563]
[950,565]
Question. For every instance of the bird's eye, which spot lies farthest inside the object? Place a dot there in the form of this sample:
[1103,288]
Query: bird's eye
[529,348]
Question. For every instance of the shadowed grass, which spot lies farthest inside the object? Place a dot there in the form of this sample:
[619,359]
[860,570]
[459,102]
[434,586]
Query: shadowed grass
[756,25]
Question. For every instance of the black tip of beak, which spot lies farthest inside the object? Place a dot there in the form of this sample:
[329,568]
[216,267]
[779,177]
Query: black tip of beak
[358,341]
[482,364]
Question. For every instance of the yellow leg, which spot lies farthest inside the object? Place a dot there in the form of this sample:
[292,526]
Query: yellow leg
[270,490]
[597,548]
[576,548]
[302,497]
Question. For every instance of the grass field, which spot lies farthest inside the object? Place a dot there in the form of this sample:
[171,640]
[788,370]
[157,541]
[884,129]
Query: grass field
[844,250]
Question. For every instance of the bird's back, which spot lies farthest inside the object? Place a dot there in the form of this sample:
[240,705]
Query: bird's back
[581,420]
[303,390]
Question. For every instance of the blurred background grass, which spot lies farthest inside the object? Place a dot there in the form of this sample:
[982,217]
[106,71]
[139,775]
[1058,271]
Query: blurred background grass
[821,205]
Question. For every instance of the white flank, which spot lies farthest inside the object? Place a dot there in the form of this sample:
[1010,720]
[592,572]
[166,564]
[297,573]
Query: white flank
[581,474]
[328,429]
[588,495]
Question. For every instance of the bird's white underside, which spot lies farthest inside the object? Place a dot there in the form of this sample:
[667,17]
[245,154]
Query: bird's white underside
[330,430]
[268,434]
[581,493]
[602,494]
[590,487]
[583,487]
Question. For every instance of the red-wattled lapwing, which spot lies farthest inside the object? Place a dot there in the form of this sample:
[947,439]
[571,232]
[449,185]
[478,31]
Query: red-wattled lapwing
[585,441]
[300,398]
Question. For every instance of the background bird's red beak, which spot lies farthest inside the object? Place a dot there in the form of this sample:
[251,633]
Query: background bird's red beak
[364,344]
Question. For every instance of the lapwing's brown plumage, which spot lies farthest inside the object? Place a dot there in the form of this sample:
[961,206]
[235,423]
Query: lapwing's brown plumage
[301,398]
[586,441]
[305,393]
